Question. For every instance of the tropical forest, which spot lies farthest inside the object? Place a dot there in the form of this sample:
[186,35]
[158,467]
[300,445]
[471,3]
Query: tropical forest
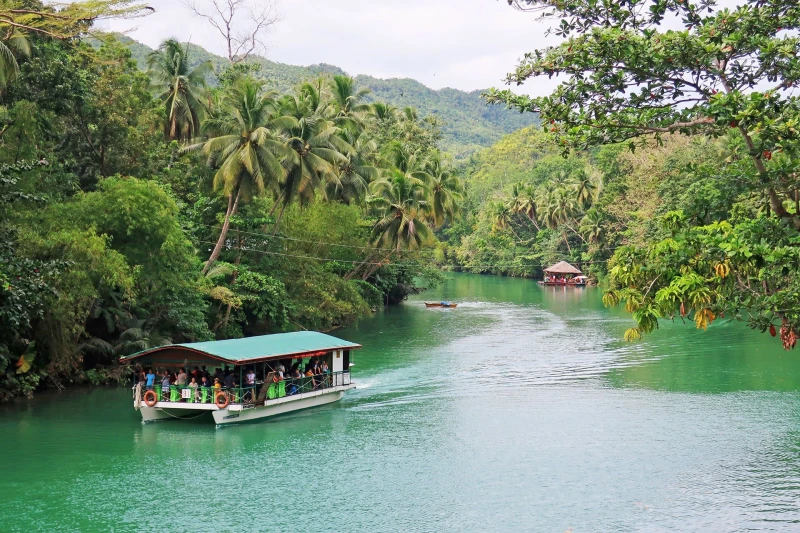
[155,196]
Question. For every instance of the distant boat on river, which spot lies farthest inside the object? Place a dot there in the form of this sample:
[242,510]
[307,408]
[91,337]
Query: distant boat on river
[564,275]
[441,304]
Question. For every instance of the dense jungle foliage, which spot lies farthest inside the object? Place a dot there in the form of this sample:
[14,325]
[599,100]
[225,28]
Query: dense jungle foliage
[703,214]
[139,207]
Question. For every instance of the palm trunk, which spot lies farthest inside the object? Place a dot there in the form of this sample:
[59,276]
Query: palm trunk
[233,279]
[355,270]
[232,205]
[576,233]
[566,241]
[275,205]
[278,220]
[375,267]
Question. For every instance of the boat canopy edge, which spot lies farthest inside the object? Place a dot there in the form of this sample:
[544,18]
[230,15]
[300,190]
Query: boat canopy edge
[256,349]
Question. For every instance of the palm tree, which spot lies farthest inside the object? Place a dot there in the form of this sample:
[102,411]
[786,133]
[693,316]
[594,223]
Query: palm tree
[565,205]
[593,226]
[445,189]
[585,188]
[182,89]
[350,184]
[13,41]
[313,147]
[347,102]
[244,145]
[524,200]
[383,112]
[501,215]
[403,202]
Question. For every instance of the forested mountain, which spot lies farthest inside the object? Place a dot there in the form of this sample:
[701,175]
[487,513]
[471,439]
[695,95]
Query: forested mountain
[467,123]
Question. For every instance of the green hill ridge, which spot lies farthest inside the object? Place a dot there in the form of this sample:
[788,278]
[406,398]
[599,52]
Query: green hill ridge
[468,124]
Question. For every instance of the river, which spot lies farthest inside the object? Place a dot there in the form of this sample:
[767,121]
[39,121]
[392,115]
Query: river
[521,410]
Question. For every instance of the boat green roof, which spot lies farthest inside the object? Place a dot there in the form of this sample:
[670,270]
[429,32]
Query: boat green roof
[251,349]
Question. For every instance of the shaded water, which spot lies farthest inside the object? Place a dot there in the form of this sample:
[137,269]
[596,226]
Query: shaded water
[521,410]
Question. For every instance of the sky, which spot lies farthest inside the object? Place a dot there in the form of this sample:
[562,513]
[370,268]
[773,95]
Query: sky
[463,44]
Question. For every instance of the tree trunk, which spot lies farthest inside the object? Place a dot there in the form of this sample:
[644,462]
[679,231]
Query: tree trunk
[375,267]
[355,270]
[278,220]
[774,200]
[233,279]
[566,241]
[576,233]
[533,220]
[232,205]
[275,205]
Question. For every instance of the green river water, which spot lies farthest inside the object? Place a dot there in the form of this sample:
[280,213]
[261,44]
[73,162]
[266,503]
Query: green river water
[522,410]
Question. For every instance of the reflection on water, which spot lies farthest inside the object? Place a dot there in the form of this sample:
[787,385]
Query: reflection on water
[521,410]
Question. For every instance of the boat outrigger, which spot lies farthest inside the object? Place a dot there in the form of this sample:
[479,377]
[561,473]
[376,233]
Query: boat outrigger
[440,304]
[265,359]
[564,274]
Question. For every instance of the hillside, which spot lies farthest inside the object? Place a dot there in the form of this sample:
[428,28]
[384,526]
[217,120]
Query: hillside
[468,124]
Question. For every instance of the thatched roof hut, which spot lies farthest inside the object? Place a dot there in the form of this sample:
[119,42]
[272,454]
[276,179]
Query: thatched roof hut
[562,267]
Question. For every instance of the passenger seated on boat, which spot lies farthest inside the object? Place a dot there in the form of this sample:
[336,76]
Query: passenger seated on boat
[280,370]
[193,385]
[204,382]
[150,378]
[311,372]
[217,384]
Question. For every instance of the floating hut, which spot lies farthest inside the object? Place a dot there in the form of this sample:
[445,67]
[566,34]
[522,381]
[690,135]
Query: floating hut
[562,273]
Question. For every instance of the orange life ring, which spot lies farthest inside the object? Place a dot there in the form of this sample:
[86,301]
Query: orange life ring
[222,400]
[275,378]
[150,398]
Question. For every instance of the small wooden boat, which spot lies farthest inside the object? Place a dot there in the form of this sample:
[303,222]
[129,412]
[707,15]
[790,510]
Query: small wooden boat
[441,304]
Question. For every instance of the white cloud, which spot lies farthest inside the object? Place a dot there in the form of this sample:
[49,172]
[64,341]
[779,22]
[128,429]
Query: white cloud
[470,44]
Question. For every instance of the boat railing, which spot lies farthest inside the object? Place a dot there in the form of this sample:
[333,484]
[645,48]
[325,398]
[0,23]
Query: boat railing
[250,395]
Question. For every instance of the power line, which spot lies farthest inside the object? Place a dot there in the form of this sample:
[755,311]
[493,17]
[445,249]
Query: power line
[332,260]
[314,258]
[320,243]
[516,265]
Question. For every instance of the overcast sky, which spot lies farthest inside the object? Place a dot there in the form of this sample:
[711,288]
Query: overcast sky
[465,44]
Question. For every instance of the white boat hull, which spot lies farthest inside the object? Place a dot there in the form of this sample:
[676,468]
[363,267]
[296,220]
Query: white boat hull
[237,413]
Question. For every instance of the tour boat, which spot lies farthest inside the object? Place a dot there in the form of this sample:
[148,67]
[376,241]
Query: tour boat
[579,281]
[440,304]
[557,274]
[263,356]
